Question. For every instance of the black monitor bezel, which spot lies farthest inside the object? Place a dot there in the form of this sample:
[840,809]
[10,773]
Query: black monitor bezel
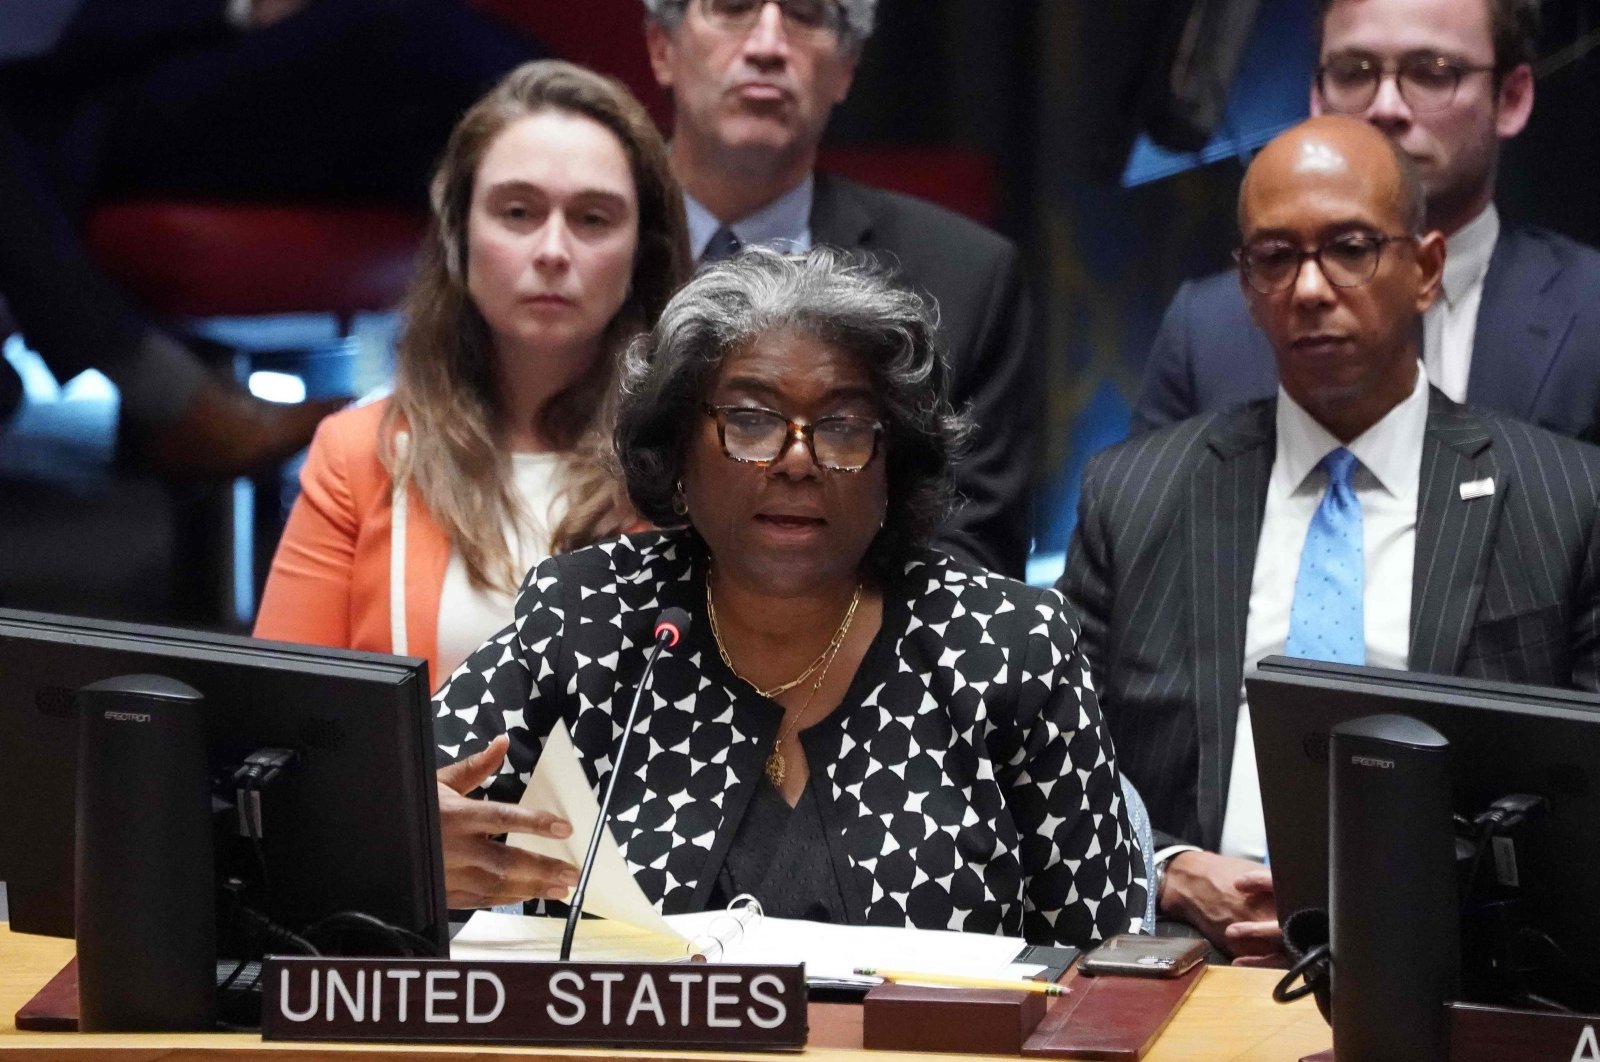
[1288,728]
[402,681]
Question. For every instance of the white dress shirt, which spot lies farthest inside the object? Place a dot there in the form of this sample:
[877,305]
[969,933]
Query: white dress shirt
[468,615]
[783,224]
[1451,323]
[1386,484]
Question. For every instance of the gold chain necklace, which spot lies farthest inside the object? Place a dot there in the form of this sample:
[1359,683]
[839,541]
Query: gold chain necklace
[777,768]
[722,651]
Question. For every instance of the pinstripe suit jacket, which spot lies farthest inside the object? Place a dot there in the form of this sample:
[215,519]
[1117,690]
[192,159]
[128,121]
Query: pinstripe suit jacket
[1505,587]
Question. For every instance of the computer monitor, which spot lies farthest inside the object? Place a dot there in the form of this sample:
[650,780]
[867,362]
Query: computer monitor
[351,826]
[1504,739]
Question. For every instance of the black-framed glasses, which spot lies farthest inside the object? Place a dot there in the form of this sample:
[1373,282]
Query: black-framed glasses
[815,18]
[1349,83]
[759,436]
[1348,260]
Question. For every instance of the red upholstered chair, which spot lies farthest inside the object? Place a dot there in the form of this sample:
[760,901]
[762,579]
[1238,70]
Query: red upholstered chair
[183,258]
[196,259]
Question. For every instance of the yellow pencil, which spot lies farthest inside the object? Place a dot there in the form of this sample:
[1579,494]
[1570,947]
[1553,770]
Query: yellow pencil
[950,980]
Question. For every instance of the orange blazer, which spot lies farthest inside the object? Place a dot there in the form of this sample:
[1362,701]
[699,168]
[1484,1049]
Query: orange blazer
[360,565]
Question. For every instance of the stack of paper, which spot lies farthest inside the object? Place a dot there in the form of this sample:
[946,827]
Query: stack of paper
[831,953]
[631,929]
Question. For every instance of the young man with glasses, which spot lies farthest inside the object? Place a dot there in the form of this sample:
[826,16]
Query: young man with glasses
[753,83]
[1361,516]
[1516,327]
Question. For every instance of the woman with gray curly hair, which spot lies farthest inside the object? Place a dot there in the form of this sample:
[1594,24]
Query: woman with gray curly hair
[859,729]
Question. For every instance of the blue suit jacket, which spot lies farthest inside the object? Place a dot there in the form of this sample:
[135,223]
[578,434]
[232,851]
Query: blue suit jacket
[1536,354]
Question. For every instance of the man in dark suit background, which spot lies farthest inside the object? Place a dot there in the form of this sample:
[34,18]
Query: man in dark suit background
[1361,516]
[1517,328]
[753,84]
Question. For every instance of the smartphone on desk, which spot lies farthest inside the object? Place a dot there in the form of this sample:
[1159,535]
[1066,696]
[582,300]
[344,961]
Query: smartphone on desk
[1137,955]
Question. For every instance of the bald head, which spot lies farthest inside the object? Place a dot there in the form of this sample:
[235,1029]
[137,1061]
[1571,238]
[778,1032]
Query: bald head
[1334,271]
[1334,144]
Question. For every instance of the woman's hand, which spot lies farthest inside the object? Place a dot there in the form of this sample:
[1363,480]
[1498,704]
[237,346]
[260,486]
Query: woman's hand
[480,871]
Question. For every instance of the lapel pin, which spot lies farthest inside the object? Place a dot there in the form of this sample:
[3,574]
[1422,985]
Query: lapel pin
[1477,488]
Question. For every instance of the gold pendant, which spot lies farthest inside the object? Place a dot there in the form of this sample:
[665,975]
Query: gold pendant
[775,766]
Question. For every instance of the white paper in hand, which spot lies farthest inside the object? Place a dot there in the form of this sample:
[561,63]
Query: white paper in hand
[559,785]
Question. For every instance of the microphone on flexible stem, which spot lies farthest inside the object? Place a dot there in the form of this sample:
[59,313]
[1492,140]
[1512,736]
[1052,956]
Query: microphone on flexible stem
[671,627]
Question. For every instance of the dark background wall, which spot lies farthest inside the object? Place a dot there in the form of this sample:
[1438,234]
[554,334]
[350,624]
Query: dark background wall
[1551,173]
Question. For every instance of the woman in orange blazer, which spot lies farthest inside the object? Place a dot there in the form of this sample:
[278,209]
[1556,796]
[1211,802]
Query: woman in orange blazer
[557,237]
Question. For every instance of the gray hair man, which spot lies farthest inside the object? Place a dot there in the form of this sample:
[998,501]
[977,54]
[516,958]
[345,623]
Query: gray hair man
[753,83]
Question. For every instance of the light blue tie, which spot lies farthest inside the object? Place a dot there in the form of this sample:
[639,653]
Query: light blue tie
[1326,621]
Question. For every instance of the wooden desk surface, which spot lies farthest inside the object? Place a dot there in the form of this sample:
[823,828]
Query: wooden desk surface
[1230,1017]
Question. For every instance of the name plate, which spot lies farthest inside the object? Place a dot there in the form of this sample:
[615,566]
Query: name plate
[625,1004]
[1482,1034]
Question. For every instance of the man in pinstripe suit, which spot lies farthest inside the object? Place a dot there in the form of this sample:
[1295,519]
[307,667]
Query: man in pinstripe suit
[1481,547]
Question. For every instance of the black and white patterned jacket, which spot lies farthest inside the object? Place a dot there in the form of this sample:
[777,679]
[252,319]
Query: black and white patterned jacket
[966,780]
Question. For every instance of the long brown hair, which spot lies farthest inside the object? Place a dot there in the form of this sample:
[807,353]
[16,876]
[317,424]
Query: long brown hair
[445,392]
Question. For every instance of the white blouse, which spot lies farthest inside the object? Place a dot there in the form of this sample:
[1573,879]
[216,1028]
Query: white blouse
[468,615]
